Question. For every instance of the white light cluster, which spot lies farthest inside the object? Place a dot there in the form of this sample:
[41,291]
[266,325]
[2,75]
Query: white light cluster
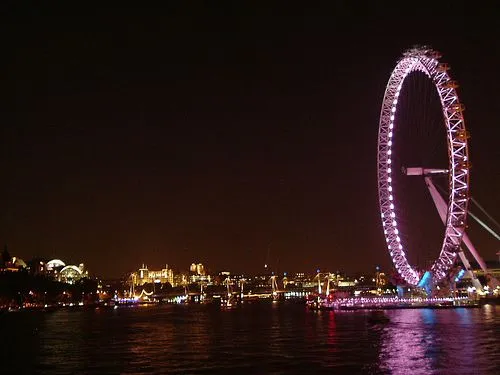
[392,232]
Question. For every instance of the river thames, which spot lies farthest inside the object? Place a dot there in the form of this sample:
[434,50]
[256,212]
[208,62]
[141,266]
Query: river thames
[257,338]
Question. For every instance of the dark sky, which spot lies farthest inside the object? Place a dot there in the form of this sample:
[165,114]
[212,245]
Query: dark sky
[219,134]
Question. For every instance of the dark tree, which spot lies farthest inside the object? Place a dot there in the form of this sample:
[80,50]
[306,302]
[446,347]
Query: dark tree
[6,258]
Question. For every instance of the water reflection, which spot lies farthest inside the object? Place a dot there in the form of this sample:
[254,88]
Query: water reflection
[260,339]
[163,336]
[330,357]
[427,341]
[332,334]
[79,341]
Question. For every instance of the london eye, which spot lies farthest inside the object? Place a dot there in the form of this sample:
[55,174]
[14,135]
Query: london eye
[422,133]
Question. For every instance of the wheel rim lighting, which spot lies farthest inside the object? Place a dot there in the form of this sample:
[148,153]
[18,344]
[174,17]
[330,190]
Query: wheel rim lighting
[427,61]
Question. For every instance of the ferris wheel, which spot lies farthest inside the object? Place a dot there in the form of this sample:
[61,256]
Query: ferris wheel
[453,211]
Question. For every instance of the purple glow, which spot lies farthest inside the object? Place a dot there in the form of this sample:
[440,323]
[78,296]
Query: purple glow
[426,61]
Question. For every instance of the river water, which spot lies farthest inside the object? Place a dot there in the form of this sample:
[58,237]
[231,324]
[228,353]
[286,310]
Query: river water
[257,338]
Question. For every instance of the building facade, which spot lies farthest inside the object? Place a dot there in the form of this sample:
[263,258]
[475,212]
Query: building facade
[145,276]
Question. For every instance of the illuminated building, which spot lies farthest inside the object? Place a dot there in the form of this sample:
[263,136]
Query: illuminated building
[200,278]
[14,265]
[145,275]
[71,274]
[380,279]
[53,267]
[493,270]
[54,264]
[37,266]
[346,283]
[197,273]
[197,269]
[180,279]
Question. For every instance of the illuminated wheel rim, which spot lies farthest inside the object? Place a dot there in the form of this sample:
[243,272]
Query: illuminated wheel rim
[426,61]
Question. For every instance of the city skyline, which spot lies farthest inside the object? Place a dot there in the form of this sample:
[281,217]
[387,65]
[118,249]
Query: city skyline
[231,139]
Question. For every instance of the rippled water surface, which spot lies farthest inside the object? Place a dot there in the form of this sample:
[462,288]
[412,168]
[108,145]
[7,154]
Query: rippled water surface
[260,338]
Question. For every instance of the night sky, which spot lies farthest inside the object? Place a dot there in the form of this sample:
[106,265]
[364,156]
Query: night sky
[220,135]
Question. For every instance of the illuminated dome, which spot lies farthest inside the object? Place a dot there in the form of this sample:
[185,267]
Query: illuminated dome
[70,274]
[55,263]
[71,269]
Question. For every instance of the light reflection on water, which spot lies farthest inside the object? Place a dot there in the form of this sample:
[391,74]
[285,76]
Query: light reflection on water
[441,341]
[260,338]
